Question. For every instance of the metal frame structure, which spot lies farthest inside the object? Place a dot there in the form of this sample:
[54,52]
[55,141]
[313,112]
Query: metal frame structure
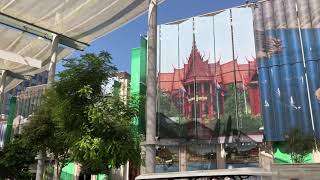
[4,74]
[40,32]
[14,23]
[75,23]
[123,12]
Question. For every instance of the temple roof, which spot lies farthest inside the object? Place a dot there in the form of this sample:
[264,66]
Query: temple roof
[201,70]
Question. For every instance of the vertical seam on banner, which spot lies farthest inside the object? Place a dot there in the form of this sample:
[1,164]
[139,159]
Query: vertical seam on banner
[304,67]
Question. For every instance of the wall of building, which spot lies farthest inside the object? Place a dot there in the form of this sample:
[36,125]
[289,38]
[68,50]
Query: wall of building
[38,79]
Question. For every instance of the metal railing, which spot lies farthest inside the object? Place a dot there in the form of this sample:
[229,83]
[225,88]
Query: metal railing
[29,100]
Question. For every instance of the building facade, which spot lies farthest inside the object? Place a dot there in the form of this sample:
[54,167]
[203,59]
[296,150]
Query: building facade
[38,79]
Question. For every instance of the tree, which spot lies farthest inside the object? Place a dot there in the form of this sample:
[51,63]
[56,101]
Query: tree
[299,145]
[69,110]
[250,123]
[98,123]
[167,105]
[16,158]
[87,73]
[109,140]
[77,121]
[46,135]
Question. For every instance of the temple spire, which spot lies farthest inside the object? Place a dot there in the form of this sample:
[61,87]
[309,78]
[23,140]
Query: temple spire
[194,45]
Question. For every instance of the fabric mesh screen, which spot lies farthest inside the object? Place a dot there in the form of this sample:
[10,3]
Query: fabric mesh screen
[82,20]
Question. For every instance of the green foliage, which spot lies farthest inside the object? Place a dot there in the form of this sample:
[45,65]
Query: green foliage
[137,105]
[16,157]
[250,123]
[89,71]
[76,121]
[299,145]
[167,105]
[230,103]
[44,133]
[109,139]
[99,124]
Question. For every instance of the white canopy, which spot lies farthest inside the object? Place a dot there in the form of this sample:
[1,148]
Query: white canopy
[26,28]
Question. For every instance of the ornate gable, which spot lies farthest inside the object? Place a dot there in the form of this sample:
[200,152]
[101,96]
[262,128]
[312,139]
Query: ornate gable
[196,65]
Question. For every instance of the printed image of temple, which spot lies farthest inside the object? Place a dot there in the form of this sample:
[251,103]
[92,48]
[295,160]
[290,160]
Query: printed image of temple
[209,81]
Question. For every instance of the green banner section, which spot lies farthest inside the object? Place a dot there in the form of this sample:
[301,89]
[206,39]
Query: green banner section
[101,177]
[282,157]
[11,117]
[135,72]
[138,83]
[143,64]
[67,172]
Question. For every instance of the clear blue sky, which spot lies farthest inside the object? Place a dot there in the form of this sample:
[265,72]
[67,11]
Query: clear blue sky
[120,42]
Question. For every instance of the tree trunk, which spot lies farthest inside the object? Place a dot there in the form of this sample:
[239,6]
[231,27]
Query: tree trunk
[57,170]
[40,165]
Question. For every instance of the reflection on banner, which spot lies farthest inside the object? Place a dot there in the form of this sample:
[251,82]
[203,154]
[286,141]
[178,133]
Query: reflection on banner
[200,84]
[220,72]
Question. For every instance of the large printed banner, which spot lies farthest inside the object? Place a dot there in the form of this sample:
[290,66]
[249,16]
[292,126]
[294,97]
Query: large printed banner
[288,57]
[207,76]
[223,73]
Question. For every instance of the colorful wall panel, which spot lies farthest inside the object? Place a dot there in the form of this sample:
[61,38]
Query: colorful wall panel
[287,45]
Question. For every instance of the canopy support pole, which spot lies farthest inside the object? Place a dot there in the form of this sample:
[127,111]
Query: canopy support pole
[3,94]
[151,88]
[52,72]
[53,60]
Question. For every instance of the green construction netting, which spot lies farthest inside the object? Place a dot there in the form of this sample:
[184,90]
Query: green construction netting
[281,156]
[67,172]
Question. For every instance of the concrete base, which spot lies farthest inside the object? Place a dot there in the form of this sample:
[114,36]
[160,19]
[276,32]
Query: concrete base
[265,161]
[77,171]
[93,177]
[143,156]
[121,173]
[221,156]
[296,171]
[316,156]
[182,158]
